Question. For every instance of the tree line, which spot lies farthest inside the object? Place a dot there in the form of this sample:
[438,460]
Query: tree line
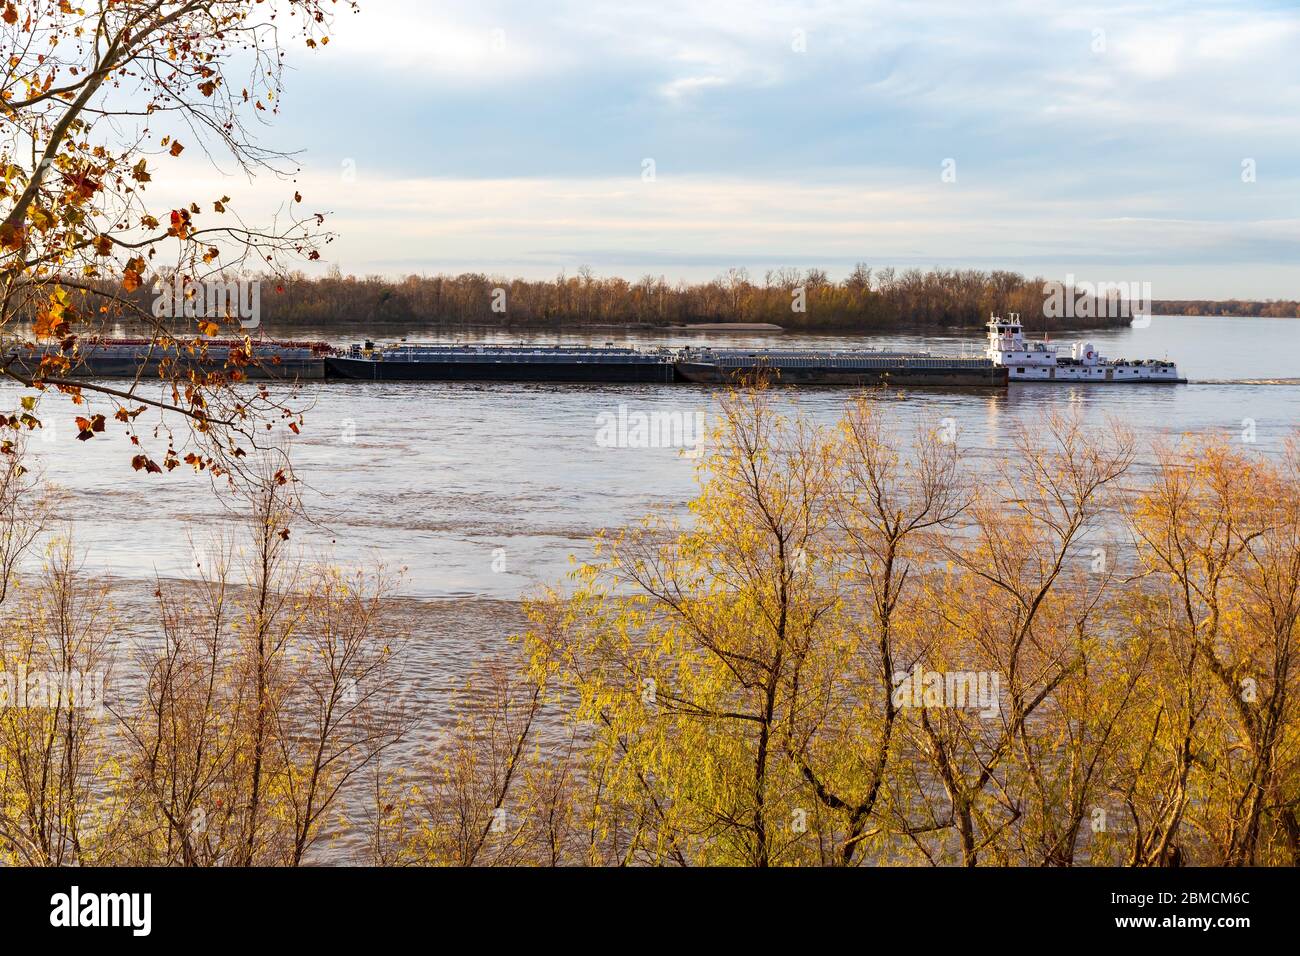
[867,300]
[1267,309]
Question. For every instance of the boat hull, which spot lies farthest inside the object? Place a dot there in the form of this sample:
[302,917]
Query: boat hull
[1094,375]
[703,373]
[146,364]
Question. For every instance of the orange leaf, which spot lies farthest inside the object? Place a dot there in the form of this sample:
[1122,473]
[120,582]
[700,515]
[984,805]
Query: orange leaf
[88,426]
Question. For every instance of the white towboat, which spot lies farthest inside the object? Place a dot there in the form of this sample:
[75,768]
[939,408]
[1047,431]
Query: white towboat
[1040,361]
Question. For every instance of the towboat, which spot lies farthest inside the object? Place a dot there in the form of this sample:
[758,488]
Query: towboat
[1027,361]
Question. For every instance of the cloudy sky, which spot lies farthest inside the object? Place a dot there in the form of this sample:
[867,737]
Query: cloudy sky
[1112,141]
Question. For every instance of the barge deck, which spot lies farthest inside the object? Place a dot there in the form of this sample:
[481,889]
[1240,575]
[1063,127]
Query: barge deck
[699,366]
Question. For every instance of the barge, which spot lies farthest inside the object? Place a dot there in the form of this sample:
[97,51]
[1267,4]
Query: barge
[132,358]
[837,367]
[502,363]
[1008,357]
[703,366]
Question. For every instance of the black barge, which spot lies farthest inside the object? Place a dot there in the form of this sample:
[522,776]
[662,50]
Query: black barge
[812,367]
[707,366]
[133,358]
[501,363]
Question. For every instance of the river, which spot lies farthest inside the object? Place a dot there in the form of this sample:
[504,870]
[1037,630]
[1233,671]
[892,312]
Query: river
[482,492]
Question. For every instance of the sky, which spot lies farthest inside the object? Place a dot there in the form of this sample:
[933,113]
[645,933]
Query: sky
[1127,141]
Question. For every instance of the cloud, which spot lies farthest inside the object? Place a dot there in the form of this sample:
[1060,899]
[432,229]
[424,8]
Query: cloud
[696,226]
[507,132]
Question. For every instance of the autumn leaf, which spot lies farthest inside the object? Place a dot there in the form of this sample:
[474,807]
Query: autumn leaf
[42,219]
[180,219]
[103,246]
[87,427]
[176,148]
[10,14]
[12,236]
[53,316]
[83,185]
[145,463]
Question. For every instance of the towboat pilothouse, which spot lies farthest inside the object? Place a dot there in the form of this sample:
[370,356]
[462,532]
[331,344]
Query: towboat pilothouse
[1040,361]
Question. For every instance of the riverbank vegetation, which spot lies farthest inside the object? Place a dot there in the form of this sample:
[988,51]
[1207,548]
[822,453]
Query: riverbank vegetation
[1258,308]
[796,299]
[860,649]
[226,735]
[867,300]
